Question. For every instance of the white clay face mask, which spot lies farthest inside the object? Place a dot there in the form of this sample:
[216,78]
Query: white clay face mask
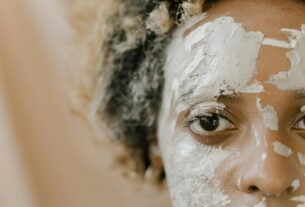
[213,62]
[190,171]
[269,115]
[209,62]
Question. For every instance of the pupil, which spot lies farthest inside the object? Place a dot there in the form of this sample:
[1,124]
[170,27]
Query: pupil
[209,123]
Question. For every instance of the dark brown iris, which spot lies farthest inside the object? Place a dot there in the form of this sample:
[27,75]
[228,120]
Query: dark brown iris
[209,123]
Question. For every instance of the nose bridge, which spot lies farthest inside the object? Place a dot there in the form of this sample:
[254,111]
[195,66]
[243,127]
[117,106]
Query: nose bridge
[269,170]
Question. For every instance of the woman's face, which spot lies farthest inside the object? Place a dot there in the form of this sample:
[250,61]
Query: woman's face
[232,123]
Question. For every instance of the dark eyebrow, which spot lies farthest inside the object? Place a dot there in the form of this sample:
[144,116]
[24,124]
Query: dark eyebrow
[235,98]
[232,98]
[238,98]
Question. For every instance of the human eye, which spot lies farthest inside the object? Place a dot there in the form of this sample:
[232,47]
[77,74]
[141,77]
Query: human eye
[210,123]
[300,124]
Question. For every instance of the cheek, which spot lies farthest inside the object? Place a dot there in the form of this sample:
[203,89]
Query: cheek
[190,169]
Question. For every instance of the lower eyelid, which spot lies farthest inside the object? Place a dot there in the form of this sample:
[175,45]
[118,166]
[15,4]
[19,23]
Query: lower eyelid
[214,139]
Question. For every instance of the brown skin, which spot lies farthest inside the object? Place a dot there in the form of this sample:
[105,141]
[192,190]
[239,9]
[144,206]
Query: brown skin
[273,177]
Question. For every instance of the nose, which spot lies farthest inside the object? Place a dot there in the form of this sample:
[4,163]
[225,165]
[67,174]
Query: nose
[269,180]
[268,173]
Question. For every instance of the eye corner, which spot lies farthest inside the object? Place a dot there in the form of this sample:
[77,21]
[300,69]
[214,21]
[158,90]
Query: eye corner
[299,124]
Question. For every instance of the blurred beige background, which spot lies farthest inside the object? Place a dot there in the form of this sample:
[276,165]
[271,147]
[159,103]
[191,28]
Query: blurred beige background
[48,157]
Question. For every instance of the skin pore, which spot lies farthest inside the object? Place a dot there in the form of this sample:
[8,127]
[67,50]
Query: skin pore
[223,145]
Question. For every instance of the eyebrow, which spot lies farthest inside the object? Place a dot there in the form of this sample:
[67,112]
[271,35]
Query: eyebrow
[190,100]
[232,98]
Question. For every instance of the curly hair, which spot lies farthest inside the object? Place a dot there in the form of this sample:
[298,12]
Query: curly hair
[121,80]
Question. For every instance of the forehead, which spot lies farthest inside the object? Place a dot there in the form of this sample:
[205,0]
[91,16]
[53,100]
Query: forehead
[268,16]
[273,16]
[220,51]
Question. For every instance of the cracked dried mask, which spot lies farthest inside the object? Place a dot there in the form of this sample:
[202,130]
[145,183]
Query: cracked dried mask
[225,135]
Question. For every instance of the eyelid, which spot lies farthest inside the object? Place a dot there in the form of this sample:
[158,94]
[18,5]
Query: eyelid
[205,108]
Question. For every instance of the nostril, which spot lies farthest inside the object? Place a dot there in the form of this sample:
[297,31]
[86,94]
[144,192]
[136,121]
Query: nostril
[253,189]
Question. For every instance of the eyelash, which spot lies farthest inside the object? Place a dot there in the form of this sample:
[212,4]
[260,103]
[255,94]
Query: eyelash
[215,123]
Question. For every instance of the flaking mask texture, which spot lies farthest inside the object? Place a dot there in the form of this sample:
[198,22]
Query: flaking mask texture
[293,79]
[213,61]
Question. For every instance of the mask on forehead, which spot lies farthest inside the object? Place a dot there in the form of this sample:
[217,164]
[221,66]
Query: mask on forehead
[214,61]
